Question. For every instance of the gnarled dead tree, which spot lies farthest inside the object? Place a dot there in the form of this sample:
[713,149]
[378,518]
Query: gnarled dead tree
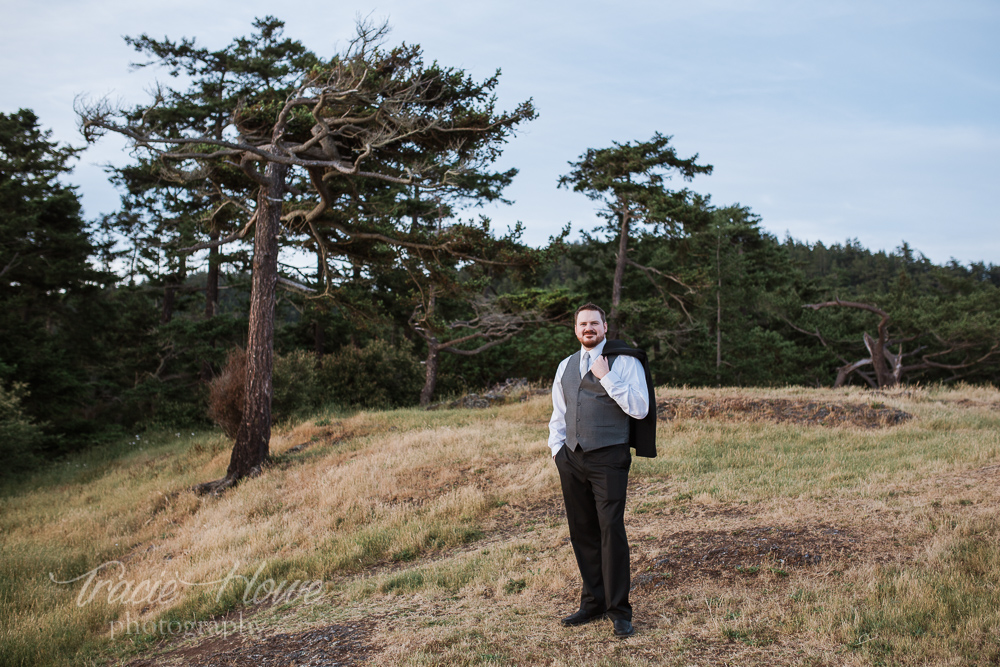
[889,368]
[886,365]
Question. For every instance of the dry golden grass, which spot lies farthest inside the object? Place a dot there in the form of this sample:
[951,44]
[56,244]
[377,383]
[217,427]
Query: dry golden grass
[753,542]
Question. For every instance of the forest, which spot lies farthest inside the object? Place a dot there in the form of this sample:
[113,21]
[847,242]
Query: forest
[299,231]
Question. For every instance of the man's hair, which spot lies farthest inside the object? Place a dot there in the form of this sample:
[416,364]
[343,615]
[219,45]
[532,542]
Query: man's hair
[589,306]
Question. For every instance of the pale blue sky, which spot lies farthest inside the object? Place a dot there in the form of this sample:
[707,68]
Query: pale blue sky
[870,120]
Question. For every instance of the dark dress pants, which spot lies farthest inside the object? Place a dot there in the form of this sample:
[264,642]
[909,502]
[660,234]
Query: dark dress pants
[594,484]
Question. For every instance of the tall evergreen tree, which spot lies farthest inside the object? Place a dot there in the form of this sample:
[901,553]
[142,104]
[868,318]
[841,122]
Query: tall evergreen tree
[316,149]
[629,181]
[46,280]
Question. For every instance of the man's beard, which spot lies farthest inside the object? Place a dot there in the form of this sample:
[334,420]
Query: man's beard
[597,338]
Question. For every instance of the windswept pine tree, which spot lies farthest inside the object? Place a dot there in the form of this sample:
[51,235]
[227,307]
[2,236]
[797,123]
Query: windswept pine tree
[629,182]
[319,152]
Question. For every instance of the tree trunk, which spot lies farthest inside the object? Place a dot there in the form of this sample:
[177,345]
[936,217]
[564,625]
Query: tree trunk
[211,298]
[718,312]
[881,365]
[212,286]
[430,381]
[895,364]
[251,448]
[616,285]
[319,334]
[319,339]
[169,291]
[844,371]
[175,282]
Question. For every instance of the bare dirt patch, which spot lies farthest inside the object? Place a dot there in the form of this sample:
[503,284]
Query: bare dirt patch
[742,552]
[328,645]
[741,547]
[969,403]
[512,520]
[781,410]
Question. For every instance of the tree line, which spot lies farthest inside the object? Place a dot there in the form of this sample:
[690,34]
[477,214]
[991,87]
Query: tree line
[298,231]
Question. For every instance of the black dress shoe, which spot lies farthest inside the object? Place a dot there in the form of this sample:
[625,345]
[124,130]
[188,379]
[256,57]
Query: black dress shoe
[581,617]
[623,628]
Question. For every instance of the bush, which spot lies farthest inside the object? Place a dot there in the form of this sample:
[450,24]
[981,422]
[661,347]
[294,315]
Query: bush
[155,403]
[19,437]
[227,393]
[375,376]
[296,386]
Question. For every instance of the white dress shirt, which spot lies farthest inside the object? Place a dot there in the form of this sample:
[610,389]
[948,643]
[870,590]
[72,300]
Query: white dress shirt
[625,384]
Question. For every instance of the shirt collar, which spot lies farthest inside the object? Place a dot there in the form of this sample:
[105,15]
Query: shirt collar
[595,352]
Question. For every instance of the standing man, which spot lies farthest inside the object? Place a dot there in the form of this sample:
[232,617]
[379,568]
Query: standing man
[601,398]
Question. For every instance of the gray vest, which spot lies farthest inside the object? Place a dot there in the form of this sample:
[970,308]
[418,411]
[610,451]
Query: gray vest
[593,419]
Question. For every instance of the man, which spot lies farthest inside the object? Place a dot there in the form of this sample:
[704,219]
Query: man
[601,398]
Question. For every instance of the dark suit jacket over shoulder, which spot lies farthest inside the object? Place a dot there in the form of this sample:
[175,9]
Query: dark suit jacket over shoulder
[642,432]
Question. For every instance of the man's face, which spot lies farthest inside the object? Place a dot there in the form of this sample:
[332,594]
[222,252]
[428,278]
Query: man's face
[590,329]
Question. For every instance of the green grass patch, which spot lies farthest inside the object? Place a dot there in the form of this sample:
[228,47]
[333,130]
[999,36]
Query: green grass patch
[948,607]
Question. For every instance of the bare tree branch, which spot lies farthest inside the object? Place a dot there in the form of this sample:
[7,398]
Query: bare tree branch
[934,364]
[850,304]
[235,236]
[663,294]
[483,347]
[844,371]
[11,263]
[293,286]
[821,338]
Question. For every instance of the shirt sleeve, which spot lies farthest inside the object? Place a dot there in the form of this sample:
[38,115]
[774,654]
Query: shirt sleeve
[626,384]
[557,424]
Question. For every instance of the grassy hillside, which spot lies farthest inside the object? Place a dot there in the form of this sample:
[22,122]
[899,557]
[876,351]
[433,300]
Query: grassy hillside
[772,529]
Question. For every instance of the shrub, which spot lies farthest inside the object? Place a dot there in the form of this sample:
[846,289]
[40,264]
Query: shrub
[19,436]
[378,375]
[155,403]
[227,393]
[296,386]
